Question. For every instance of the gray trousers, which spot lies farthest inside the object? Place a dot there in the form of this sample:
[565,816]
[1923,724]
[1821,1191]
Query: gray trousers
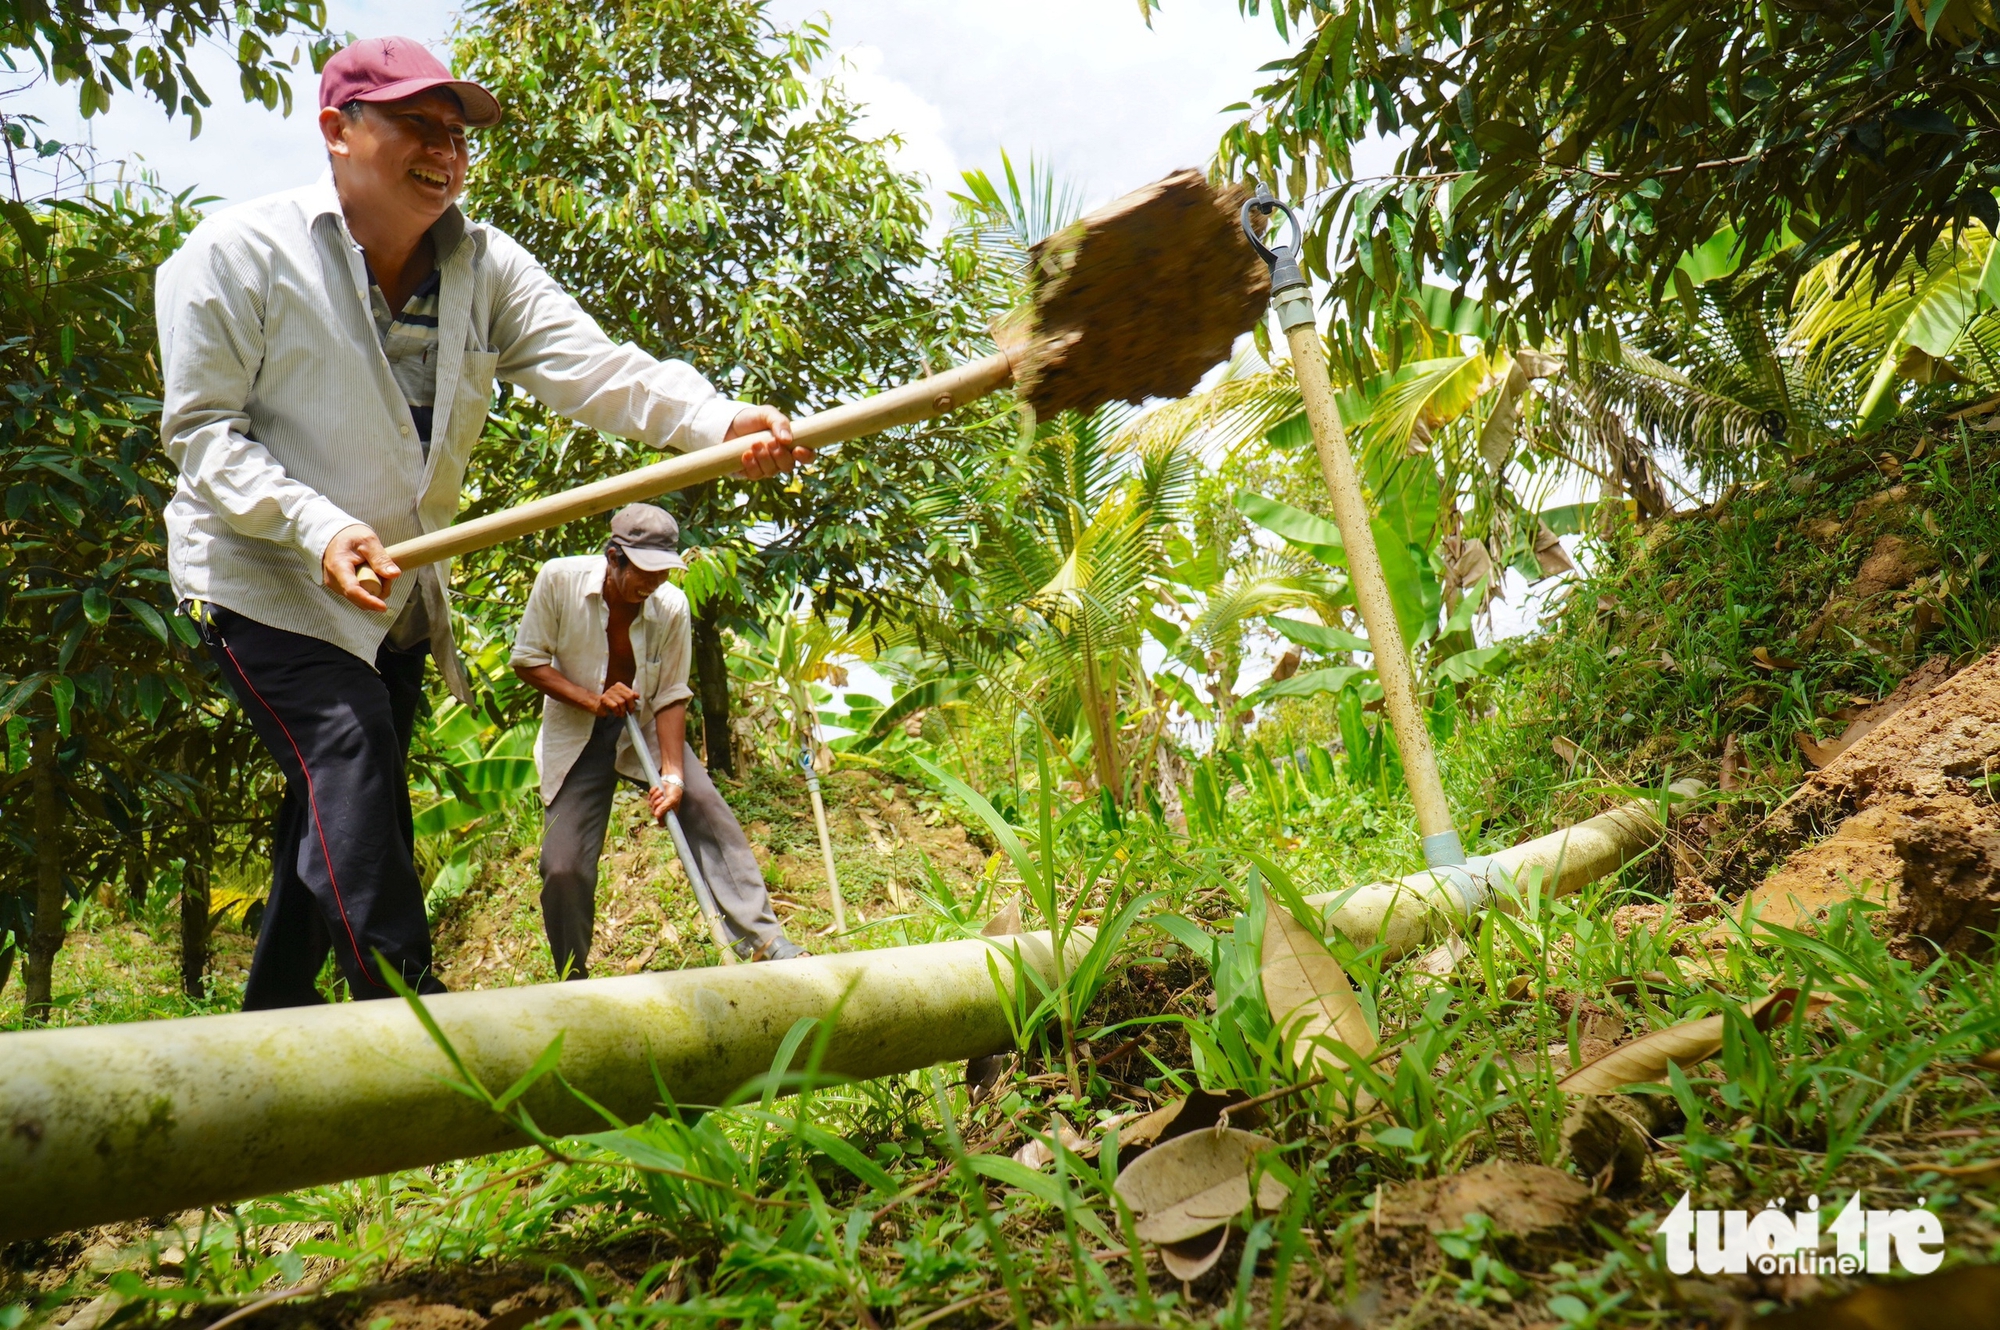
[573,839]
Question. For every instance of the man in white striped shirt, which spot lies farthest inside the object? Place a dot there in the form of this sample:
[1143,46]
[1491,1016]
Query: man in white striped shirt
[328,357]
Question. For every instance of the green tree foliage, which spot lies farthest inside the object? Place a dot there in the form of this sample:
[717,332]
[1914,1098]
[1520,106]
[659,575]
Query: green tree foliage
[104,45]
[677,165]
[1070,539]
[116,743]
[1563,153]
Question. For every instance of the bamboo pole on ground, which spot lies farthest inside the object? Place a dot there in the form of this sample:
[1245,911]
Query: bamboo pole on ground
[1291,298]
[116,1122]
[1421,909]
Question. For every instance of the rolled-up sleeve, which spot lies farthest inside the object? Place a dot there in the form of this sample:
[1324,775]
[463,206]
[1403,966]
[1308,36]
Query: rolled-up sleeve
[676,657]
[550,346]
[536,637]
[210,307]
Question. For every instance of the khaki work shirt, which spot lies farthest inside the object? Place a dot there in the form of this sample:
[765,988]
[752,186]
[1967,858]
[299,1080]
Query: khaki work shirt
[564,626]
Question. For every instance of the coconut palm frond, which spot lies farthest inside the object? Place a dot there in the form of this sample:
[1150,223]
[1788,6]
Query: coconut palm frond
[1006,219]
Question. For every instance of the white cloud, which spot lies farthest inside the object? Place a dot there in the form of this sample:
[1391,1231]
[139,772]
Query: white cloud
[1082,84]
[890,106]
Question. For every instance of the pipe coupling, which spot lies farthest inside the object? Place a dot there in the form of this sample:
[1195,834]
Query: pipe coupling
[1294,308]
[1443,850]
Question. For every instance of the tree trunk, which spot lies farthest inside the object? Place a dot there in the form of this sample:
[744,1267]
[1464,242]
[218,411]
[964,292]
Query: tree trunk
[711,686]
[194,910]
[50,916]
[138,872]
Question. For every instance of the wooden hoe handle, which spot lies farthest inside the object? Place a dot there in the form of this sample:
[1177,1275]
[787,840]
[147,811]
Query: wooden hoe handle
[898,406]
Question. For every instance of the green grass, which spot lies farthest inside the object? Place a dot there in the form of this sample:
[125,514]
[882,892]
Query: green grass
[897,1202]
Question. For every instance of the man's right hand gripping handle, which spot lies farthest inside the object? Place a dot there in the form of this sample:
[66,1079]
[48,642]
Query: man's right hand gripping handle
[357,566]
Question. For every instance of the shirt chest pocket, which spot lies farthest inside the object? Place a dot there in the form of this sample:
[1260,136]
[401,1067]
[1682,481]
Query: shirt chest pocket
[473,396]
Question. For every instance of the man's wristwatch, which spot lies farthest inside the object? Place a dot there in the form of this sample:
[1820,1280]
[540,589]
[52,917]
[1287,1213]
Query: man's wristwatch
[671,779]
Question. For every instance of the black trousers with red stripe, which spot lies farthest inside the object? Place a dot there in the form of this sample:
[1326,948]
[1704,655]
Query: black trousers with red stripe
[343,873]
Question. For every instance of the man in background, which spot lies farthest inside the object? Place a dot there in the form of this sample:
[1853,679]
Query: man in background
[605,635]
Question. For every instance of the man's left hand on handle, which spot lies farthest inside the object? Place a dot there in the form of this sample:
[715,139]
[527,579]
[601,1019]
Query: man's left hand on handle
[767,457]
[664,799]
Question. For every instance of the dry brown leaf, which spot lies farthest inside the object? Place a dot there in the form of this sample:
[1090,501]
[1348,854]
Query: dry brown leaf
[1989,1060]
[1439,962]
[1203,1108]
[1195,1257]
[1645,1060]
[1550,556]
[1037,1153]
[1605,1145]
[1309,996]
[878,834]
[1732,764]
[1658,981]
[1287,666]
[1007,923]
[1762,658]
[1184,1187]
[1817,754]
[1527,1200]
[982,1076]
[1567,750]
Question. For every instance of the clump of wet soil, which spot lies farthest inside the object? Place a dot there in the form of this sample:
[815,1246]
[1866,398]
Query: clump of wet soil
[1902,814]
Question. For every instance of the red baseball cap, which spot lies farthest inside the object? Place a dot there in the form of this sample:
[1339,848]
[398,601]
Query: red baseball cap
[388,69]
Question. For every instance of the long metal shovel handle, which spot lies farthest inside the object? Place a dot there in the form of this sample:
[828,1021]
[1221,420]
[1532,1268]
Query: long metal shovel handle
[703,899]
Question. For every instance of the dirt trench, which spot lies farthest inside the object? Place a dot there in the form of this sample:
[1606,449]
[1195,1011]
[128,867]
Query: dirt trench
[1902,814]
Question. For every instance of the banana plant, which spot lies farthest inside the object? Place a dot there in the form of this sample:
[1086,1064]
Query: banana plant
[1907,328]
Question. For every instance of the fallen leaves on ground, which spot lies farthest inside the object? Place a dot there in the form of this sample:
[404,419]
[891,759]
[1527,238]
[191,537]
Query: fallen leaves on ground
[1192,1259]
[1007,922]
[1310,999]
[1731,777]
[1607,1146]
[1192,1185]
[1645,1060]
[1037,1153]
[1436,965]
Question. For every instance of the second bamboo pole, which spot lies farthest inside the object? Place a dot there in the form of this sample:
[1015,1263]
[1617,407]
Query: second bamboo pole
[1291,298]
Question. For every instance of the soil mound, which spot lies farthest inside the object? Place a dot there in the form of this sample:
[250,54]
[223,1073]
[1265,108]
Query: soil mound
[1901,813]
[1142,297]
